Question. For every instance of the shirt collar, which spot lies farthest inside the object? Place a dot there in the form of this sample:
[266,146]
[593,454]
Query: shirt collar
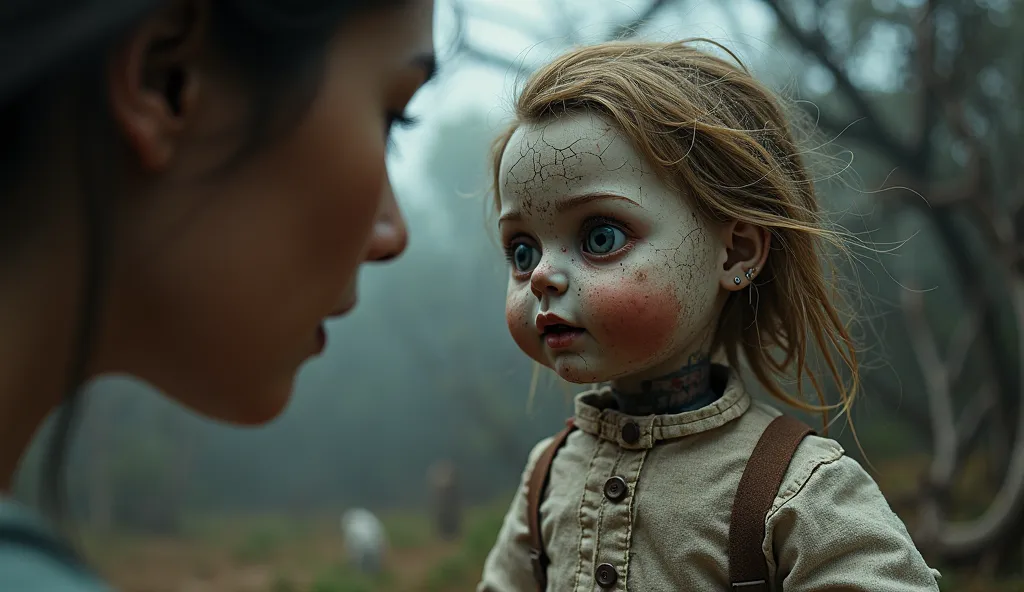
[596,416]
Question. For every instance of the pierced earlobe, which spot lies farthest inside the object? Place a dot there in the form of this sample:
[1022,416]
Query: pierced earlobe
[736,280]
[750,273]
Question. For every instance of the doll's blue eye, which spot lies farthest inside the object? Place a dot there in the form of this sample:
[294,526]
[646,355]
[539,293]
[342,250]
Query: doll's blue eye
[604,239]
[524,257]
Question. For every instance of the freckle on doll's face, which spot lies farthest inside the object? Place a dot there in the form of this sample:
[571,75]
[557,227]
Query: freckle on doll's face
[597,240]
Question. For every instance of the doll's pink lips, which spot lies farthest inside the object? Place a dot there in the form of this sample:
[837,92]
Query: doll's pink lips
[549,321]
[561,336]
[556,331]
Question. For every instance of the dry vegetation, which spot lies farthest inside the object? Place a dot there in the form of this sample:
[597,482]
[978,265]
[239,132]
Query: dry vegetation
[277,554]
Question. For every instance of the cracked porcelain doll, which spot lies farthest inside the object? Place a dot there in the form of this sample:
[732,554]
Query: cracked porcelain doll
[661,230]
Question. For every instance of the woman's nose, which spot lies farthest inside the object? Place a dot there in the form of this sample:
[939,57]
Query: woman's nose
[390,235]
[546,280]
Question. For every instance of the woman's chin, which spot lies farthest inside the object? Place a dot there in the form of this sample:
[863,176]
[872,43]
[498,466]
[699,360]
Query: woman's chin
[255,416]
[252,407]
[264,406]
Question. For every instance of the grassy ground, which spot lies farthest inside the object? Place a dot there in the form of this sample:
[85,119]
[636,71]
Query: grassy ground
[278,554]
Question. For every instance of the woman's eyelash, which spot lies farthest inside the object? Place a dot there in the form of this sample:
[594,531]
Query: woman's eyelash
[399,120]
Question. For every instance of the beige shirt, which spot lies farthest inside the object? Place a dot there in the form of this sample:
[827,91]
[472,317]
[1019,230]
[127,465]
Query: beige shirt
[829,528]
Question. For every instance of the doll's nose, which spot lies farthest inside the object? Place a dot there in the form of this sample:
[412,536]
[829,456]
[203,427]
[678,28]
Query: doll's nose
[548,281]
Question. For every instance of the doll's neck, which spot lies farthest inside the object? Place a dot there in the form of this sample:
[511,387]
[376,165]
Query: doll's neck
[681,390]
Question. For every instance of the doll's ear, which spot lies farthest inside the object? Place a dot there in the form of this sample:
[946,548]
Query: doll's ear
[746,250]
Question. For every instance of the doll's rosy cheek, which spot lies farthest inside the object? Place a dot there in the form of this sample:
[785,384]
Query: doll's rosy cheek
[636,318]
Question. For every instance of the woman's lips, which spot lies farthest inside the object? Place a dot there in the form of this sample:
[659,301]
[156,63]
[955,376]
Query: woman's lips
[344,309]
[321,338]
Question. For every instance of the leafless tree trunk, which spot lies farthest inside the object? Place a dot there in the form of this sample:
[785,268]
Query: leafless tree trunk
[444,489]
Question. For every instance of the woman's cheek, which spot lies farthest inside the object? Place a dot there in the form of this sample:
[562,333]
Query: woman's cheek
[633,317]
[519,318]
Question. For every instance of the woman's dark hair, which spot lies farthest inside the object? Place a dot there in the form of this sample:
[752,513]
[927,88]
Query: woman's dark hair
[53,55]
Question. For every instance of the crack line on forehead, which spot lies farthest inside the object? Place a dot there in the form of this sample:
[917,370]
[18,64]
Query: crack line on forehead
[564,158]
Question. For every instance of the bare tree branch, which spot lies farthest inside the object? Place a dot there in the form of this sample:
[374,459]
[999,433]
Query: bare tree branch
[1003,514]
[936,381]
[816,45]
[488,57]
[567,26]
[633,27]
[999,442]
[964,336]
[968,425]
[929,96]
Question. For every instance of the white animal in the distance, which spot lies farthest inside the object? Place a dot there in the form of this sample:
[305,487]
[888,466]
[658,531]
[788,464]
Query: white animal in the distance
[365,540]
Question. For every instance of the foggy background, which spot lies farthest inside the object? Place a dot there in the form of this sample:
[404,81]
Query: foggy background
[916,112]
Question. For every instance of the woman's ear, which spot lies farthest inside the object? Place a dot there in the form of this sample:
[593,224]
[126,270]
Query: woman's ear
[154,81]
[746,250]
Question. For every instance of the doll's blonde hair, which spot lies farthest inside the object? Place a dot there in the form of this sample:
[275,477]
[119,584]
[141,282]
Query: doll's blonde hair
[720,137]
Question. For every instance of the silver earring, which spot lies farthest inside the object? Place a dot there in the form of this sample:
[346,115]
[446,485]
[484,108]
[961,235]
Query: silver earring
[750,273]
[736,280]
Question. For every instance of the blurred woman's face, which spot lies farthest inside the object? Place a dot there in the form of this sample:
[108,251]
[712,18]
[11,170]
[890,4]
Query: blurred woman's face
[222,280]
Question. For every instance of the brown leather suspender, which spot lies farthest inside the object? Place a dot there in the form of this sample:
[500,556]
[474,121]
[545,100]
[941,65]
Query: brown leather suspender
[758,487]
[534,492]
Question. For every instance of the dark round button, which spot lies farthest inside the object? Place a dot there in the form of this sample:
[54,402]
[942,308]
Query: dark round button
[630,432]
[606,575]
[615,489]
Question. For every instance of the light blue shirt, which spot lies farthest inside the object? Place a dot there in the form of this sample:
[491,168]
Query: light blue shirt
[38,567]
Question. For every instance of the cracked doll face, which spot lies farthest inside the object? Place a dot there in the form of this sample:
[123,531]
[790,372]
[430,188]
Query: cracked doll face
[612,272]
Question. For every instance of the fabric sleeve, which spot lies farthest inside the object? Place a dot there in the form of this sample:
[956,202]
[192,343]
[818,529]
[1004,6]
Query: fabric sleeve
[27,570]
[508,568]
[838,533]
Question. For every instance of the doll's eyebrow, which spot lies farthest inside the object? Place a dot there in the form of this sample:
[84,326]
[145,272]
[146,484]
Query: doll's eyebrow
[569,203]
[575,201]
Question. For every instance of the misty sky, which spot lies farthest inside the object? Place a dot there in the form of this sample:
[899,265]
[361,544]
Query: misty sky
[530,30]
